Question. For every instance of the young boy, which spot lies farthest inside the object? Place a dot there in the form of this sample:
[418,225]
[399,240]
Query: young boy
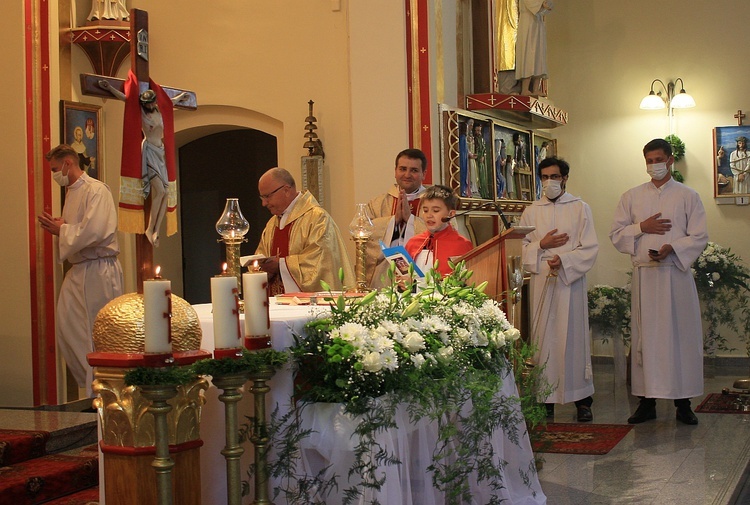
[441,241]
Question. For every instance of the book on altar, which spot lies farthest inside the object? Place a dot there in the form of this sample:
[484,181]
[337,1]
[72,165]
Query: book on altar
[246,260]
[319,298]
[398,255]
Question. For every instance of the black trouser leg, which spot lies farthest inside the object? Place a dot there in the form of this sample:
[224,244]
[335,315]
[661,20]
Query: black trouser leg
[648,402]
[682,403]
[584,402]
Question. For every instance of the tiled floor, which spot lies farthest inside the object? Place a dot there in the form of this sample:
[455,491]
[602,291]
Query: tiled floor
[658,462]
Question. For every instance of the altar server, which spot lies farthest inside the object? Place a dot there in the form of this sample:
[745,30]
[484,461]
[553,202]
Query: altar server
[558,253]
[661,224]
[87,234]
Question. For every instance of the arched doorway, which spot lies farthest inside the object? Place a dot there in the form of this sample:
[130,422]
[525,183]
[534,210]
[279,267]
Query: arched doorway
[213,168]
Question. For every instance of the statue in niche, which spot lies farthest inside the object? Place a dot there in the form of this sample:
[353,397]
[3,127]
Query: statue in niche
[521,42]
[113,10]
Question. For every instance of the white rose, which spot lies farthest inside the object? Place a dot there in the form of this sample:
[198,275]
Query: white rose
[413,341]
[445,353]
[512,334]
[372,362]
[715,276]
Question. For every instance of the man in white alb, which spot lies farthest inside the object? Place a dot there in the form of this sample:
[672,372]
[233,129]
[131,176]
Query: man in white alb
[661,224]
[87,234]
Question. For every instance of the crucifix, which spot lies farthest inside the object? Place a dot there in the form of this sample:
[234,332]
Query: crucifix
[148,113]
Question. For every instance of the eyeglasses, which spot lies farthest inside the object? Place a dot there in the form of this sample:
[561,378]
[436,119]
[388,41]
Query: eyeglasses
[269,195]
[554,177]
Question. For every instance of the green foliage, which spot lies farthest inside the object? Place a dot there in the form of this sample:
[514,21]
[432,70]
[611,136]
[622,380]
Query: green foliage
[721,278]
[443,351]
[162,376]
[678,147]
[250,362]
[609,311]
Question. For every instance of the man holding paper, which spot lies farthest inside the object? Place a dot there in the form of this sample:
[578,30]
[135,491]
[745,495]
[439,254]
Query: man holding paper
[397,213]
[301,242]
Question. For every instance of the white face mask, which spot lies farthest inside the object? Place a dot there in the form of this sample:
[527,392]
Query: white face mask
[552,189]
[657,171]
[61,179]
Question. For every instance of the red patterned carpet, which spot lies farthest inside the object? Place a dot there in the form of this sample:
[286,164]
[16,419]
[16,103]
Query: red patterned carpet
[19,445]
[719,403]
[578,438]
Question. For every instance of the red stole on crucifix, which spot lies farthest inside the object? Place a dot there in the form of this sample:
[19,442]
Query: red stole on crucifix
[280,248]
[131,218]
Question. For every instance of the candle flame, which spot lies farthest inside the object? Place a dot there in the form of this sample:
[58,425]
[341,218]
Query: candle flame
[157,272]
[224,268]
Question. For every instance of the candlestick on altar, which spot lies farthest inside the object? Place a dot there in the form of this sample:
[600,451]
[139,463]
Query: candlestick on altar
[232,226]
[257,319]
[157,314]
[361,229]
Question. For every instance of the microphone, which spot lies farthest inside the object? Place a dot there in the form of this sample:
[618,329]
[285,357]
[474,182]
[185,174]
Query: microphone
[485,204]
[502,216]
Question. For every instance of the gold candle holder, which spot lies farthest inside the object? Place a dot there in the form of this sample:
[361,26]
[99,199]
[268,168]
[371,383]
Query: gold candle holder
[259,435]
[232,226]
[232,451]
[361,229]
[159,395]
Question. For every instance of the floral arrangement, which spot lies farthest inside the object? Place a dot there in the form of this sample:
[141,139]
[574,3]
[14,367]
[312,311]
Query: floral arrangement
[721,278]
[609,311]
[440,351]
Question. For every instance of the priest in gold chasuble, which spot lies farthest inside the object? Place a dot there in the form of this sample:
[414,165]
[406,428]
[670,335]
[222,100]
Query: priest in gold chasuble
[301,241]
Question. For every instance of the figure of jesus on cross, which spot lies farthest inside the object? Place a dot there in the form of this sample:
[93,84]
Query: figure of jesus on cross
[148,190]
[155,179]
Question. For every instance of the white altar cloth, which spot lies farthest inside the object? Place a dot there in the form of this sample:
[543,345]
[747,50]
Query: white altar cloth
[331,444]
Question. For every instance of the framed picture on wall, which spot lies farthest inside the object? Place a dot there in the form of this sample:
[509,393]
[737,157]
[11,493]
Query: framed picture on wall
[468,157]
[515,178]
[731,161]
[81,129]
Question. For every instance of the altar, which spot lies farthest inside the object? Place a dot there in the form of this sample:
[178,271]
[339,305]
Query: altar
[330,448]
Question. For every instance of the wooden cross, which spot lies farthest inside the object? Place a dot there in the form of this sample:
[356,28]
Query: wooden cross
[139,63]
[739,117]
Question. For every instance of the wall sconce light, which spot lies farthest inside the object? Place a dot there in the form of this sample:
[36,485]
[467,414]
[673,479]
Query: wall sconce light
[655,100]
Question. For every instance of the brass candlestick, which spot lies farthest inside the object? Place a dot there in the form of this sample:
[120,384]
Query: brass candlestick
[232,451]
[232,226]
[259,435]
[159,395]
[361,229]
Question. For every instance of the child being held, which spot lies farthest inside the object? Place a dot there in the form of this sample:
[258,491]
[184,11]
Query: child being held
[441,241]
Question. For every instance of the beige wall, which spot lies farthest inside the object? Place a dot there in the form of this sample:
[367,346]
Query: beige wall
[603,56]
[15,314]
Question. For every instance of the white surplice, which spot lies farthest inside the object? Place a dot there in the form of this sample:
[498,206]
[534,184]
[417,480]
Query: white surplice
[88,240]
[667,343]
[560,321]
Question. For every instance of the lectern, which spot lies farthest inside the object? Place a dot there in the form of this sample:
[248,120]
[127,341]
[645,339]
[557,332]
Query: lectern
[498,261]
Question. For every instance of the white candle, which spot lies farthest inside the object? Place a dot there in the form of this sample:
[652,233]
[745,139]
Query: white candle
[254,290]
[226,312]
[157,314]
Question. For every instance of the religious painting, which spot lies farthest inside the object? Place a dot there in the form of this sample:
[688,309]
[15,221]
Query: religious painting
[515,179]
[81,130]
[731,161]
[467,157]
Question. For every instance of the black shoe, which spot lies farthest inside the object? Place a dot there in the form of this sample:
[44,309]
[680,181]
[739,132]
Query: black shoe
[643,413]
[685,415]
[550,410]
[584,414]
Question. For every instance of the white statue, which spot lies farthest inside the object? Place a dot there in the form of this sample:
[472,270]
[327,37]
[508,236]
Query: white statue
[108,9]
